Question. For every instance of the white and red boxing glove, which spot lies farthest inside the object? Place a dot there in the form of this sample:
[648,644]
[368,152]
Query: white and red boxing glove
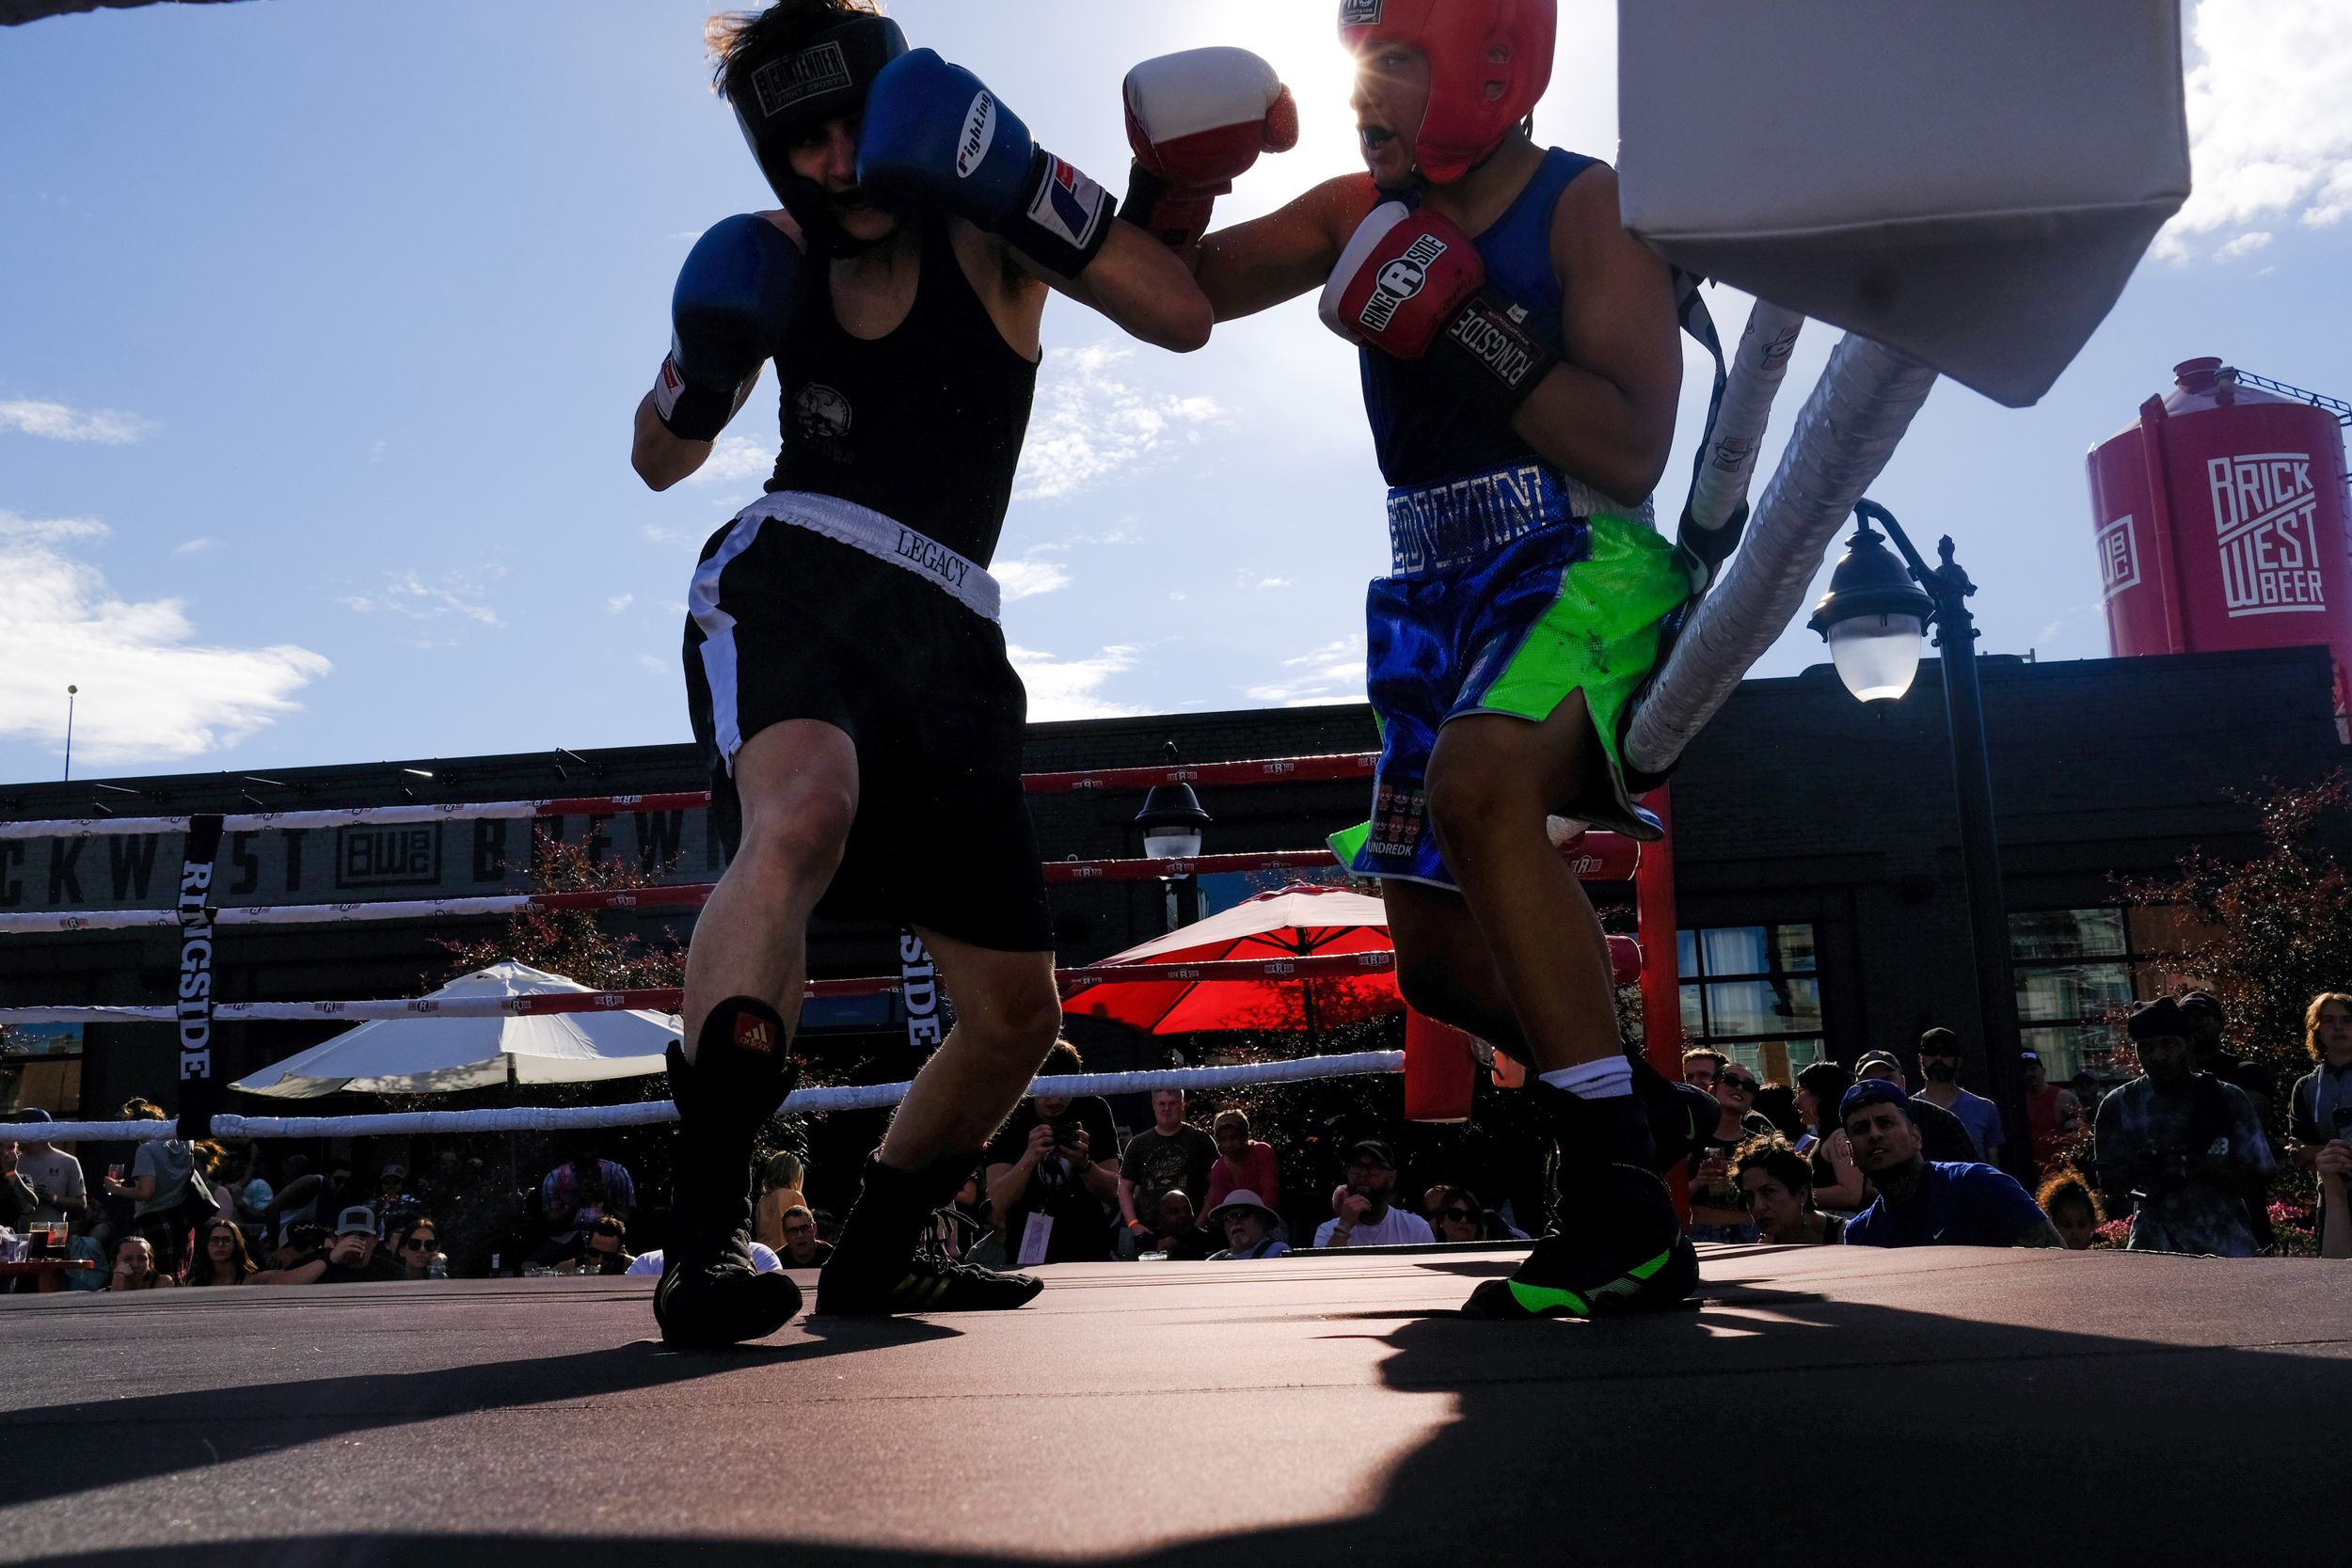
[1413,285]
[1198,121]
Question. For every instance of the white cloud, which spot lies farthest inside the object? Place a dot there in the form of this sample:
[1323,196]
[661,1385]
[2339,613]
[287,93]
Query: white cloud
[195,546]
[2269,118]
[1072,689]
[1023,580]
[619,602]
[1088,424]
[1331,673]
[2245,245]
[149,691]
[407,594]
[56,422]
[735,459]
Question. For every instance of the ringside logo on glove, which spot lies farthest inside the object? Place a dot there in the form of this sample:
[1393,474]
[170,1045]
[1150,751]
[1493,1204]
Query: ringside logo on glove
[1400,280]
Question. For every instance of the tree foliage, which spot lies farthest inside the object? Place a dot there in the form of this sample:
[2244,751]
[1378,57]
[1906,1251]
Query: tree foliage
[575,943]
[2272,932]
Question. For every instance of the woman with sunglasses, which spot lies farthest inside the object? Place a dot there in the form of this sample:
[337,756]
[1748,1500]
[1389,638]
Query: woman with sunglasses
[1456,1215]
[220,1256]
[1716,1213]
[417,1245]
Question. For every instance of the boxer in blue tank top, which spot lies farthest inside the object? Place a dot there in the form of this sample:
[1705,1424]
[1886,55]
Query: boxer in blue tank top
[1520,366]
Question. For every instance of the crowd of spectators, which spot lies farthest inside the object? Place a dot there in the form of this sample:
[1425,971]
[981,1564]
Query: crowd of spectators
[2173,1159]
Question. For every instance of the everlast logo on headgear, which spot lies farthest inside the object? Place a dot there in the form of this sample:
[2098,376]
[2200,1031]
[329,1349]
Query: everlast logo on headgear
[780,84]
[1400,280]
[980,131]
[1359,13]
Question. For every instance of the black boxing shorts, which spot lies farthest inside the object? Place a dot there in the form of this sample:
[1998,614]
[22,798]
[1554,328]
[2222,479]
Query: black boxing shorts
[810,607]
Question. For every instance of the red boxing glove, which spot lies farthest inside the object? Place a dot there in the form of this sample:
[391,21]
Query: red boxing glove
[1198,121]
[1413,285]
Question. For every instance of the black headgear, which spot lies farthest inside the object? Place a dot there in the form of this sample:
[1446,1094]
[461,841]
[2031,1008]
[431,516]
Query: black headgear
[783,94]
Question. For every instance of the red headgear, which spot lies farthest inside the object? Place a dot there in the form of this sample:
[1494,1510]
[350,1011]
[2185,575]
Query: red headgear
[1475,97]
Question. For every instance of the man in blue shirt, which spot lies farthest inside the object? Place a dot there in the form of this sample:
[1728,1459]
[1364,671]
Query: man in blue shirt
[1926,1202]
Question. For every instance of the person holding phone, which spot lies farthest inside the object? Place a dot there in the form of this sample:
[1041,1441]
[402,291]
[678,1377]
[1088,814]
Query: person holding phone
[1053,1172]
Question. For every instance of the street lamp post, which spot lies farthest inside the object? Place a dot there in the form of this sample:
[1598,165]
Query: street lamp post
[1171,820]
[1872,617]
[69,732]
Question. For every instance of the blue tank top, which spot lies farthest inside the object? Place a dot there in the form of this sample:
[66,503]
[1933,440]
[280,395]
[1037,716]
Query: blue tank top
[1423,432]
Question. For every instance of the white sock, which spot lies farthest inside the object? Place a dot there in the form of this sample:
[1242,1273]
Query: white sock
[1606,1079]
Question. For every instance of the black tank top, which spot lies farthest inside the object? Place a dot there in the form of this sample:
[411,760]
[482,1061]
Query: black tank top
[923,425]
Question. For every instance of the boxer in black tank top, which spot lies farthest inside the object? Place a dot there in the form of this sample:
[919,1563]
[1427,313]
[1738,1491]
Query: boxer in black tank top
[845,670]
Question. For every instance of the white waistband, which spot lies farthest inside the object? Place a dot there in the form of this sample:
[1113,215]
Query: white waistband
[885,539]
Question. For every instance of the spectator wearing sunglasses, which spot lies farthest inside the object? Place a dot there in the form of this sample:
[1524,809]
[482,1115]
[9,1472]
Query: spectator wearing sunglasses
[604,1248]
[352,1256]
[1456,1215]
[1775,1185]
[417,1248]
[802,1247]
[1716,1214]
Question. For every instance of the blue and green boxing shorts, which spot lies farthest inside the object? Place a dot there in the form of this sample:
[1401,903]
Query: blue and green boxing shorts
[1504,601]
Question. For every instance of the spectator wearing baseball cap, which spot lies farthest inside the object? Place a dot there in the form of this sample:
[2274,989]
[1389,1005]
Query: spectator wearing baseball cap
[1943,1136]
[55,1176]
[1367,1212]
[2180,1152]
[2206,1024]
[1925,1202]
[1250,1228]
[1939,1064]
[351,1256]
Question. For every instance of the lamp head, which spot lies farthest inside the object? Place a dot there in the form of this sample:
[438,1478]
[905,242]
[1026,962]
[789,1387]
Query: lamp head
[1873,618]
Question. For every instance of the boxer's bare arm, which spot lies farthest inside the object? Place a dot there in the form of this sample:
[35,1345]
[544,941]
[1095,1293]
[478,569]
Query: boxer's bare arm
[1607,416]
[1141,286]
[661,458]
[1256,265]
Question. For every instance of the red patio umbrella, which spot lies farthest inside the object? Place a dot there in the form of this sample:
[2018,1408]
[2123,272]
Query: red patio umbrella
[1297,922]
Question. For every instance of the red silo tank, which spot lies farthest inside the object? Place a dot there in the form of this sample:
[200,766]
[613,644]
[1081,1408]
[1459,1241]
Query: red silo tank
[2222,523]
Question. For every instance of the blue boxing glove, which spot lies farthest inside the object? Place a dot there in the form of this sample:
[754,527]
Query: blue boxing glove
[936,137]
[727,316]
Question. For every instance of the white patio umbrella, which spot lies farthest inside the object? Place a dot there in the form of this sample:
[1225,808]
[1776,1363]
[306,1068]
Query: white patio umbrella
[430,1054]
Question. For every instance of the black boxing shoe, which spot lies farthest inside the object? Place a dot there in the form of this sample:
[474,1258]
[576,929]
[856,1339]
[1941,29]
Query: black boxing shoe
[1682,1117]
[1619,1250]
[876,1270]
[1592,1134]
[710,1295]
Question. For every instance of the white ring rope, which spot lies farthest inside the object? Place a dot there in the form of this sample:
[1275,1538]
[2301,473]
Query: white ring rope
[647,1113]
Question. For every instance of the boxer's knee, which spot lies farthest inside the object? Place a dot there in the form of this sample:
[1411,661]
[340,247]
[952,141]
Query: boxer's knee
[1023,1027]
[796,843]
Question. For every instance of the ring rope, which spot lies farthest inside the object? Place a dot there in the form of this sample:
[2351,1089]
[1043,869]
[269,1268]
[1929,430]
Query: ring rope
[1349,765]
[646,1113]
[1595,858]
[1625,962]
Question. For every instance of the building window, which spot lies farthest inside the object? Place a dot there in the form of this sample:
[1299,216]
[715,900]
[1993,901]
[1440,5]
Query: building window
[41,1064]
[1752,992]
[2076,969]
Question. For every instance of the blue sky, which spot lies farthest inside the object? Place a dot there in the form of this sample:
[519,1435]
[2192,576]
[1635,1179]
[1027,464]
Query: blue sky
[322,323]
